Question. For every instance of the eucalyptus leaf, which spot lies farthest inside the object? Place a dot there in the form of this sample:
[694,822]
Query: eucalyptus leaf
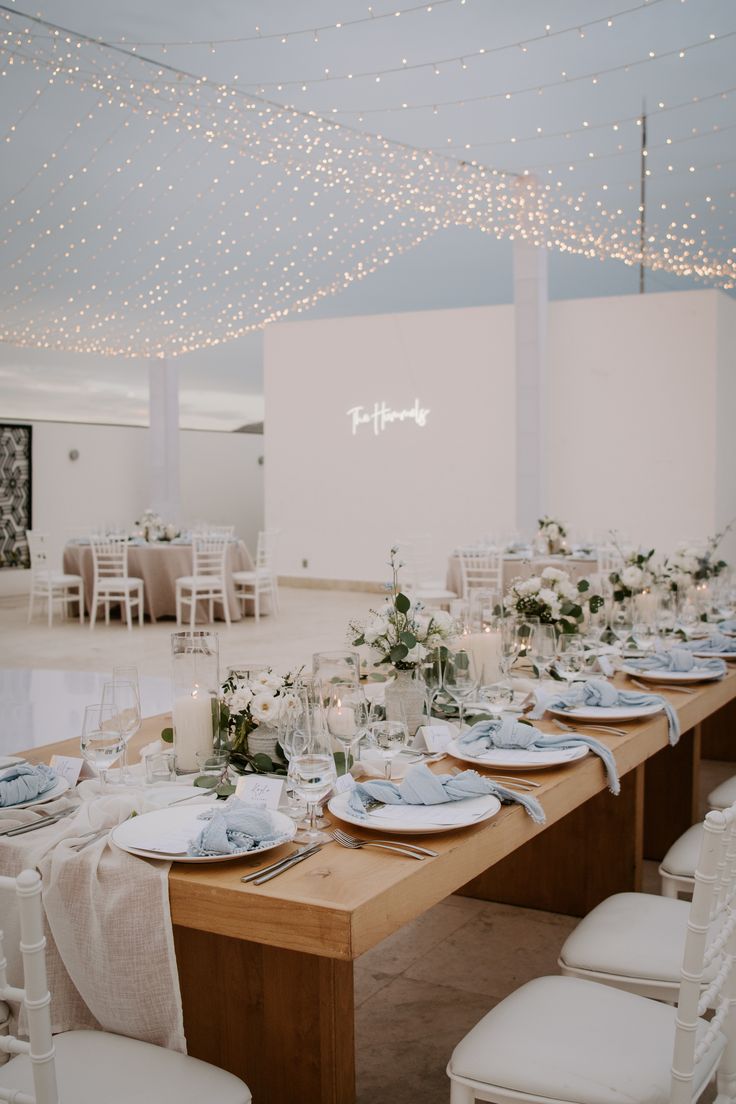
[408,639]
[224,789]
[167,735]
[402,603]
[263,763]
[206,781]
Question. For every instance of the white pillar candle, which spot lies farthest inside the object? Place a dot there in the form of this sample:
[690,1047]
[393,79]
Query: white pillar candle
[485,648]
[646,605]
[192,714]
[341,721]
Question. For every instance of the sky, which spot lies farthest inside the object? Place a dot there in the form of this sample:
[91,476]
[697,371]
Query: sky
[462,103]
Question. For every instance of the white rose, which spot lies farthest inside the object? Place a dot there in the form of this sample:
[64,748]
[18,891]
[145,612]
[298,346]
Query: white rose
[264,707]
[239,700]
[554,573]
[443,622]
[553,531]
[416,654]
[375,626]
[548,597]
[421,625]
[632,577]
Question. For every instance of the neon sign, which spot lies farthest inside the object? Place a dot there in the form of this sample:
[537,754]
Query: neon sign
[382,415]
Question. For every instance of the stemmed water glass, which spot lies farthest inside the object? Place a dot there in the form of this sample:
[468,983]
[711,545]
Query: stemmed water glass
[347,714]
[389,738]
[542,648]
[312,772]
[122,698]
[570,660]
[102,742]
[511,645]
[460,678]
[622,622]
[428,673]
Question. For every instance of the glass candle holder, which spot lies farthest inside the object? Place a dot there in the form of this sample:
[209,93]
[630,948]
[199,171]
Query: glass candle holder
[195,678]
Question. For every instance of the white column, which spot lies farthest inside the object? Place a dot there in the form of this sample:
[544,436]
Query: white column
[530,318]
[163,439]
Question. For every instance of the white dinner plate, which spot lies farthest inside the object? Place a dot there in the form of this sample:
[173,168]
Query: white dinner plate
[419,819]
[167,833]
[515,758]
[10,761]
[604,714]
[715,655]
[60,786]
[697,674]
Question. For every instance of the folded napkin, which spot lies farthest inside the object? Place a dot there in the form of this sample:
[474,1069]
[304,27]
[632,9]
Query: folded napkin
[422,787]
[23,782]
[234,826]
[715,643]
[729,625]
[510,733]
[600,694]
[680,659]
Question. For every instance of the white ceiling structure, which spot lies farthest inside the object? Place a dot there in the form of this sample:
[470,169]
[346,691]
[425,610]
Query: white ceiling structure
[175,178]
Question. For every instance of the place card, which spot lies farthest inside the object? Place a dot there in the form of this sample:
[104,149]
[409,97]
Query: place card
[259,789]
[434,738]
[71,768]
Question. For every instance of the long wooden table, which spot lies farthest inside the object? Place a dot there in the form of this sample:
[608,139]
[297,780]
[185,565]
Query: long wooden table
[266,972]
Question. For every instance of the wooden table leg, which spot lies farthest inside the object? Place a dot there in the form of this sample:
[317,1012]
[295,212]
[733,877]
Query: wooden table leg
[671,797]
[719,734]
[282,1020]
[594,851]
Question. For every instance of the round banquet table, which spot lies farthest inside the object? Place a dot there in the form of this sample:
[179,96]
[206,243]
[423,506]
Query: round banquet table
[518,567]
[159,564]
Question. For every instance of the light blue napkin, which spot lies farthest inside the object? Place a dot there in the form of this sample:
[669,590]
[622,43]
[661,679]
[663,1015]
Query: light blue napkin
[24,783]
[729,625]
[715,643]
[421,787]
[508,732]
[680,659]
[600,694]
[234,826]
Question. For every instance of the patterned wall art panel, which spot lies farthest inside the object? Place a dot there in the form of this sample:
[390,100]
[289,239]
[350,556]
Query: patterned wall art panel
[15,494]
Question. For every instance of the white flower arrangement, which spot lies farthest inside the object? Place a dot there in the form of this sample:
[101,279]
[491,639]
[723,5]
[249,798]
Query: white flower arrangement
[401,632]
[245,706]
[552,597]
[551,535]
[689,565]
[151,527]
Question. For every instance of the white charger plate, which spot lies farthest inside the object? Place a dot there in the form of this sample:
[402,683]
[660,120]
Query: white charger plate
[515,758]
[603,714]
[716,655]
[176,827]
[697,674]
[60,787]
[477,810]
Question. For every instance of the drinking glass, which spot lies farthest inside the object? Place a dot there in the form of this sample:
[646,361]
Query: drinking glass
[347,713]
[596,624]
[429,672]
[389,738]
[525,626]
[101,742]
[460,678]
[336,667]
[542,648]
[312,774]
[122,697]
[571,659]
[666,614]
[497,696]
[511,644]
[622,622]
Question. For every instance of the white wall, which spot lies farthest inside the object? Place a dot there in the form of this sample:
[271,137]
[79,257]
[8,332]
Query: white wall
[221,481]
[641,398]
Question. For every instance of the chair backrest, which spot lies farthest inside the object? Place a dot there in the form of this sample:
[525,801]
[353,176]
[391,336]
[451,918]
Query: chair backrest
[481,567]
[38,546]
[266,549]
[35,991]
[209,554]
[711,937]
[203,529]
[109,556]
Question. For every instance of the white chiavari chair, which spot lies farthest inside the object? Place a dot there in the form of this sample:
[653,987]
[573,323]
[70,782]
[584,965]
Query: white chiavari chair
[112,584]
[251,585]
[481,567]
[84,1067]
[564,1040]
[208,581]
[418,579]
[677,868]
[51,586]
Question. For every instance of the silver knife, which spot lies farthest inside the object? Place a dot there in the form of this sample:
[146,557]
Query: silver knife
[309,847]
[21,829]
[295,860]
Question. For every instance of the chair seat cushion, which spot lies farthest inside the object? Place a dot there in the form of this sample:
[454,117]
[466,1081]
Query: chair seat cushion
[117,582]
[435,590]
[683,855]
[94,1067]
[633,935]
[723,796]
[57,579]
[260,573]
[567,1039]
[201,582]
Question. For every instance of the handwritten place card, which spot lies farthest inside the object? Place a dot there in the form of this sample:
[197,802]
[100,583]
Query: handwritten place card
[71,768]
[260,790]
[434,738]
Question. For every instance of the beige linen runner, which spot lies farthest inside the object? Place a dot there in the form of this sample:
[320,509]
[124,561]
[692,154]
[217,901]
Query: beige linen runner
[110,952]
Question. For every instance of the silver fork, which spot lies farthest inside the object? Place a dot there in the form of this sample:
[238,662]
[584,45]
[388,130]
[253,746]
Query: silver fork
[409,849]
[660,686]
[590,728]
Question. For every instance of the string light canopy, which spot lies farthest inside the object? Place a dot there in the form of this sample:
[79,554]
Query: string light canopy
[151,208]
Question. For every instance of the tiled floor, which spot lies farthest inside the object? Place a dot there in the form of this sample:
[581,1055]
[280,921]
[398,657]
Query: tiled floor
[418,992]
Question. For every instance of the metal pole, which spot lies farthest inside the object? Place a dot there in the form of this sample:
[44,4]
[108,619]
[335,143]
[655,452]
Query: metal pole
[643,198]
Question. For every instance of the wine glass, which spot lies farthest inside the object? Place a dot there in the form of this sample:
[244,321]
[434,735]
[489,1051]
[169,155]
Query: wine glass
[312,774]
[121,697]
[101,742]
[330,667]
[460,678]
[429,672]
[570,660]
[347,713]
[622,622]
[542,647]
[390,738]
[666,615]
[511,645]
[497,696]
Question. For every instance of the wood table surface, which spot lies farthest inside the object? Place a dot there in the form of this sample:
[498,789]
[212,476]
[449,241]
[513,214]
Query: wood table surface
[266,972]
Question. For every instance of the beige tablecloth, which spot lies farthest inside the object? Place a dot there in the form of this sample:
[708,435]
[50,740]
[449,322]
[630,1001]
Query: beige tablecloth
[514,568]
[159,566]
